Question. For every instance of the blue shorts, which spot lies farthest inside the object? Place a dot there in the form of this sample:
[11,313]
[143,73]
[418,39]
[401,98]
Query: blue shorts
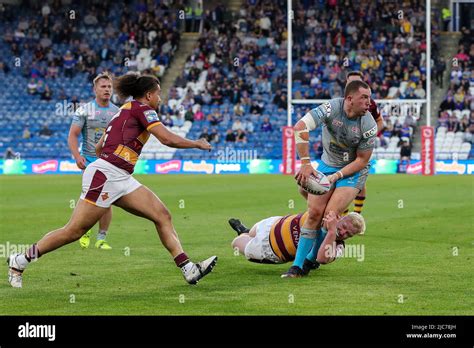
[356,180]
[89,159]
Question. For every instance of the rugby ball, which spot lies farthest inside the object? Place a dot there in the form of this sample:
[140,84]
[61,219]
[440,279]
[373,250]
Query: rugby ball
[317,184]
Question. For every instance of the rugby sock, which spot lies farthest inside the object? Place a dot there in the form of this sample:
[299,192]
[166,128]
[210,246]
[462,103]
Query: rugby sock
[181,260]
[313,254]
[359,204]
[31,254]
[102,235]
[345,212]
[304,246]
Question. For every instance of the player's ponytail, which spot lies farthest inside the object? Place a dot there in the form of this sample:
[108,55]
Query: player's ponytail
[135,85]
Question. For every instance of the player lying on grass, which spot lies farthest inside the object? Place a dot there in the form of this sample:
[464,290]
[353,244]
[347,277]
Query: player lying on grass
[275,239]
[348,137]
[109,180]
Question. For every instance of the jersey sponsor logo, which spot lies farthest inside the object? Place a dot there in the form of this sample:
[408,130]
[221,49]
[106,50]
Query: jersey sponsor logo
[355,129]
[337,123]
[151,116]
[370,133]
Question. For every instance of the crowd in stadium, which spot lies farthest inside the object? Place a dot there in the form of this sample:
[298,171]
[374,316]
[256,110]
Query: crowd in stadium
[384,40]
[57,53]
[234,80]
[233,86]
[456,112]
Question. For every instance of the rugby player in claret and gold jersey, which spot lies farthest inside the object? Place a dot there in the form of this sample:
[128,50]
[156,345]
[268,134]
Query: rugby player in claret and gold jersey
[275,239]
[108,181]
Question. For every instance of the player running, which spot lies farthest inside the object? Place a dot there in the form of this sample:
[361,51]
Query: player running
[275,239]
[109,180]
[348,141]
[360,198]
[90,121]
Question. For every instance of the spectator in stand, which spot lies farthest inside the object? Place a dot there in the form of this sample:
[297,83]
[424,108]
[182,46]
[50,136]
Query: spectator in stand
[214,136]
[26,133]
[69,64]
[215,118]
[237,125]
[32,86]
[405,151]
[45,132]
[464,124]
[397,128]
[266,125]
[47,94]
[448,103]
[256,108]
[443,119]
[241,137]
[168,121]
[411,122]
[238,109]
[205,134]
[248,126]
[179,119]
[453,124]
[420,91]
[198,115]
[230,136]
[280,100]
[189,116]
[405,131]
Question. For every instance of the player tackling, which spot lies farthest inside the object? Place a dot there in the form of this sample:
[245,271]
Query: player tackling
[275,239]
[109,180]
[348,136]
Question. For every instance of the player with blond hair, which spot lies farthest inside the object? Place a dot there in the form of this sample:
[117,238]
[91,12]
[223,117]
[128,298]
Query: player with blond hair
[275,239]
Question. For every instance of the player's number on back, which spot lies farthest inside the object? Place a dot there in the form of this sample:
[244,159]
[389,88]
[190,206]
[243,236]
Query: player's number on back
[106,135]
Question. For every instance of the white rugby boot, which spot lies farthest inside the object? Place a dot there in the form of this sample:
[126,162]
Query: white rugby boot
[15,270]
[193,272]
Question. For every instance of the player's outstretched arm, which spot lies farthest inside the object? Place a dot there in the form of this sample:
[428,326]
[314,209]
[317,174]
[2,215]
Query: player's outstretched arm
[171,139]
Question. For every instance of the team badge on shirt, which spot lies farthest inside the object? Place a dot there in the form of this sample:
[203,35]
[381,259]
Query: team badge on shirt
[151,116]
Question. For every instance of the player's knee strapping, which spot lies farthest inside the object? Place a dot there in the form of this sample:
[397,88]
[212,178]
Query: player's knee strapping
[307,237]
[308,233]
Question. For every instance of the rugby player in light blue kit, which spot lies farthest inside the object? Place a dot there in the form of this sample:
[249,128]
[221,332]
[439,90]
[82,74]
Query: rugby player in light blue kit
[348,136]
[90,121]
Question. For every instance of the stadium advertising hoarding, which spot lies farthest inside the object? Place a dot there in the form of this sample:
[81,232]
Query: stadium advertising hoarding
[427,151]
[256,166]
[289,150]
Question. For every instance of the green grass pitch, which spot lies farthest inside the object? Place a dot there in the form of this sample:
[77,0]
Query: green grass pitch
[419,251]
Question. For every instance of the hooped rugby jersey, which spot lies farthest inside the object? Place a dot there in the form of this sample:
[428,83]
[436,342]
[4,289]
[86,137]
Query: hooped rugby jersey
[285,234]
